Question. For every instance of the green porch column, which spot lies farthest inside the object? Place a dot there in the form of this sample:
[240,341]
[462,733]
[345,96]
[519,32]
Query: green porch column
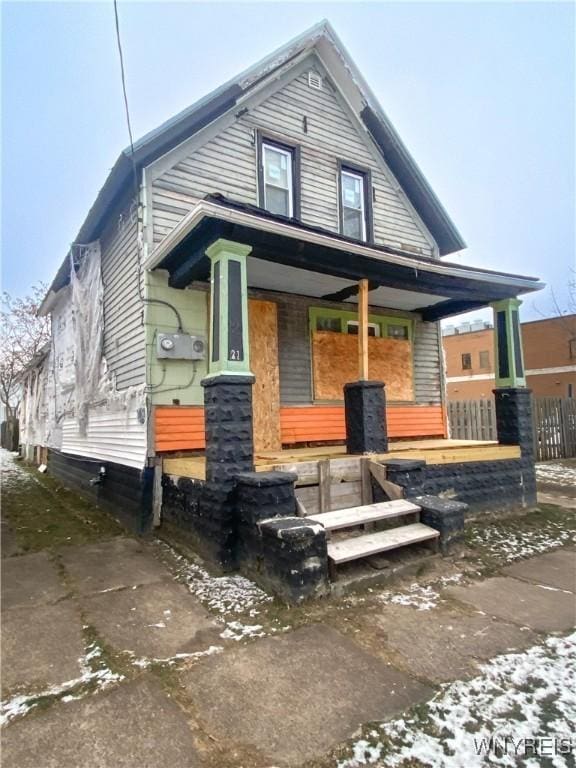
[509,357]
[229,345]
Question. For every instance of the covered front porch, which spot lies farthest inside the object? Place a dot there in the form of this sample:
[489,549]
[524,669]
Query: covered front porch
[272,510]
[306,311]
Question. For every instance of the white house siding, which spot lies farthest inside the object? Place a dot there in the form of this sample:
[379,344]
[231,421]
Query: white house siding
[227,164]
[114,436]
[427,363]
[124,343]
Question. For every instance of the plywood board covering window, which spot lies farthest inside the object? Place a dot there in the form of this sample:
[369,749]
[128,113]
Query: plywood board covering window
[335,363]
[263,331]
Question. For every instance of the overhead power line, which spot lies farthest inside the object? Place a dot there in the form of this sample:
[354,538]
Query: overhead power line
[125,94]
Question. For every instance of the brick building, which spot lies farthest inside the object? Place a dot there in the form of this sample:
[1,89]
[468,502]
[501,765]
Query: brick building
[549,357]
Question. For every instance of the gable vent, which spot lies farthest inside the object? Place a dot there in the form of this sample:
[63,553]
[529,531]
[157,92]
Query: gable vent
[315,80]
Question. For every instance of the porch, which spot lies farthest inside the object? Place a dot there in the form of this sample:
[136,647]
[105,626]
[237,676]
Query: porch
[343,467]
[272,510]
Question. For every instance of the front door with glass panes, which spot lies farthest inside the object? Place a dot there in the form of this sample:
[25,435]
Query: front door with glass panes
[278,186]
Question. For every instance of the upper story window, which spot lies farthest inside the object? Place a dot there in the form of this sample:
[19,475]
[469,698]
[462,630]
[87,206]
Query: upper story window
[355,202]
[466,361]
[278,176]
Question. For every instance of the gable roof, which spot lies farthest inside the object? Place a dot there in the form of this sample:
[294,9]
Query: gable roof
[323,39]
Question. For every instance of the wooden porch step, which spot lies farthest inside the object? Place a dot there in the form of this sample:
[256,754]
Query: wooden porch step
[368,513]
[372,543]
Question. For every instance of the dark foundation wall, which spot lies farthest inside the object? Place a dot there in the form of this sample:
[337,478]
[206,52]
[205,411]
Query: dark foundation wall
[483,485]
[125,492]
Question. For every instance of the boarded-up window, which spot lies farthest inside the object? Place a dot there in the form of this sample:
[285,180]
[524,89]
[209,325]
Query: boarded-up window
[335,363]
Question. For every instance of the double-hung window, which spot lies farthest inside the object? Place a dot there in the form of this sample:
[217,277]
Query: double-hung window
[355,203]
[278,165]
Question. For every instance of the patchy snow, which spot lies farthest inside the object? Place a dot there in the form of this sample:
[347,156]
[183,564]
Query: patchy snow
[512,544]
[235,630]
[223,594]
[516,698]
[12,471]
[419,596]
[101,677]
[144,663]
[557,474]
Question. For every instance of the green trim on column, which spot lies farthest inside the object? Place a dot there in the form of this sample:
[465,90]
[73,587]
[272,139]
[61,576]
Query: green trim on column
[236,361]
[509,362]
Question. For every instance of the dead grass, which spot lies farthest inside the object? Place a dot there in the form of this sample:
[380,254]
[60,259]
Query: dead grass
[45,516]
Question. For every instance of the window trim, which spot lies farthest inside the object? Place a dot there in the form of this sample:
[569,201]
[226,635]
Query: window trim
[377,328]
[382,321]
[357,170]
[264,138]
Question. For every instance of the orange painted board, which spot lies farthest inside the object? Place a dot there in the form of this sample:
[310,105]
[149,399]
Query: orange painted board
[180,428]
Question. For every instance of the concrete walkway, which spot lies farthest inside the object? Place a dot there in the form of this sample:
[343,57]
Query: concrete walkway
[274,701]
[117,652]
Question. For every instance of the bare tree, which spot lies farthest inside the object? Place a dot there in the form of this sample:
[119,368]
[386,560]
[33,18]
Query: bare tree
[23,335]
[564,311]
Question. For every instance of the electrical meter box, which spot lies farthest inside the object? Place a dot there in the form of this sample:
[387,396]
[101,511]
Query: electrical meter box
[180,346]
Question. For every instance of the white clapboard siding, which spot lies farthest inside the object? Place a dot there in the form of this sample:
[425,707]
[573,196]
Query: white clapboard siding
[427,363]
[115,436]
[124,348]
[227,164]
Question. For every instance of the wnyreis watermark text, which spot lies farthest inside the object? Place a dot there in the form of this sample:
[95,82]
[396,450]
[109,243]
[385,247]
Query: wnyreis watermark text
[539,746]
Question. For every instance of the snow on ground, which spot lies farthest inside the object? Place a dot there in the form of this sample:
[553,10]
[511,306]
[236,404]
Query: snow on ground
[512,544]
[419,596]
[12,471]
[94,672]
[144,662]
[236,630]
[223,594]
[557,474]
[488,720]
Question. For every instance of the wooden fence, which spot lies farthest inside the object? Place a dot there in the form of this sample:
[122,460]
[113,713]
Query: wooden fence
[472,419]
[554,422]
[554,427]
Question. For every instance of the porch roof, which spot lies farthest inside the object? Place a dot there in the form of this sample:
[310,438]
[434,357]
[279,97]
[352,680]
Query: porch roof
[297,258]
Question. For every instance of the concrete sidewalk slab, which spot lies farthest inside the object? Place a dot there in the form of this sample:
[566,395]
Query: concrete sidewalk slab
[119,562]
[42,646]
[557,500]
[542,608]
[293,697]
[132,726]
[29,580]
[555,569]
[444,644]
[153,620]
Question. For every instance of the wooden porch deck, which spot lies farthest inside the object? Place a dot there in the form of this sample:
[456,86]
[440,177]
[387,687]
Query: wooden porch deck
[304,461]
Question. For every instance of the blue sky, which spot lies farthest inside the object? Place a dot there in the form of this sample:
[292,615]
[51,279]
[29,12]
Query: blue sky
[481,93]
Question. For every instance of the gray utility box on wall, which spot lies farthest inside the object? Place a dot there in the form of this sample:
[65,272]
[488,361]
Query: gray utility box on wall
[180,346]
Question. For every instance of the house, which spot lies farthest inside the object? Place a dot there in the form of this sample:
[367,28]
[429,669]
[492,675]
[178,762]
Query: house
[242,286]
[549,351]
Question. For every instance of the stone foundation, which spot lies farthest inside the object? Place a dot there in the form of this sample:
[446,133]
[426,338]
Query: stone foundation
[282,552]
